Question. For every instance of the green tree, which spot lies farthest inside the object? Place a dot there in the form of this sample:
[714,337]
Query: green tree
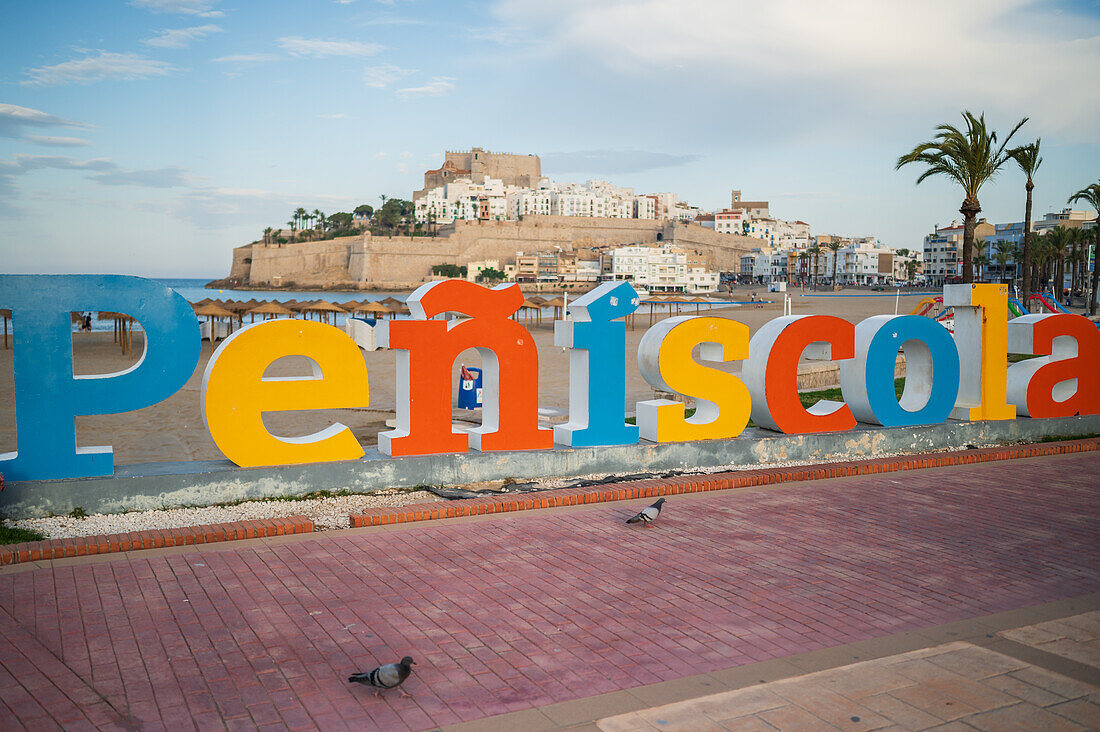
[340,220]
[1060,240]
[980,258]
[449,270]
[490,275]
[971,159]
[300,216]
[1003,252]
[835,247]
[1027,157]
[815,252]
[1080,246]
[1091,196]
[319,216]
[910,269]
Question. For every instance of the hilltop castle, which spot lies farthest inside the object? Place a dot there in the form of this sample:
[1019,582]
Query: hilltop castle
[478,164]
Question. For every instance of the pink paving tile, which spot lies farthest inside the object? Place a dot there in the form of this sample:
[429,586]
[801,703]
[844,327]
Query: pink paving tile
[532,608]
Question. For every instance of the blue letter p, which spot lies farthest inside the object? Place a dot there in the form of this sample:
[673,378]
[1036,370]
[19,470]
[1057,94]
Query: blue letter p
[48,396]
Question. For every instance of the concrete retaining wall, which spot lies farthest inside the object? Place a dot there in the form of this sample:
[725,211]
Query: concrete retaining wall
[367,261]
[164,485]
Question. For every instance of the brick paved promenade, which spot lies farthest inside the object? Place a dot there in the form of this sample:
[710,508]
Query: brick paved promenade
[514,611]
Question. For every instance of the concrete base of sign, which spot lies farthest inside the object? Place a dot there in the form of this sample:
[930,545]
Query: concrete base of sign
[170,485]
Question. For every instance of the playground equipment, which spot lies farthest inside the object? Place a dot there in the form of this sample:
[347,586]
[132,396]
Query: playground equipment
[1051,303]
[925,305]
[947,319]
[1016,307]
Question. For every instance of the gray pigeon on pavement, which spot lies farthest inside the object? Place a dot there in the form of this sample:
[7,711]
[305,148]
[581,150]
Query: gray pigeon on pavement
[648,514]
[390,676]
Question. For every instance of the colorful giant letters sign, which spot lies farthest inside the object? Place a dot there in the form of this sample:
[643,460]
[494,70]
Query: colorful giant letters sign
[964,376]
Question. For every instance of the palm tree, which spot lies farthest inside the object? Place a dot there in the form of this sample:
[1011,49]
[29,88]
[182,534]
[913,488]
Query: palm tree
[300,215]
[267,235]
[1004,252]
[910,270]
[1080,244]
[293,224]
[1040,259]
[815,252]
[970,158]
[1027,157]
[319,215]
[979,254]
[1091,196]
[835,247]
[1058,240]
[982,261]
[803,255]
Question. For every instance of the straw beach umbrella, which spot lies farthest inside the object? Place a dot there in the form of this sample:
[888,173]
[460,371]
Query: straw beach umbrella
[377,309]
[210,311]
[558,303]
[272,309]
[528,306]
[323,308]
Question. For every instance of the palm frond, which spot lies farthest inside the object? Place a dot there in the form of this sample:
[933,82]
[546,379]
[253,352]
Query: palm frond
[1089,194]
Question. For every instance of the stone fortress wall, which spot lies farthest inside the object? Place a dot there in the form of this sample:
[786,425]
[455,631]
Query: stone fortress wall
[477,164]
[398,262]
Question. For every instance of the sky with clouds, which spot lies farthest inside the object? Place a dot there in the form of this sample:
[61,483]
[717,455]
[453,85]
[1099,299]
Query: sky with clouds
[150,137]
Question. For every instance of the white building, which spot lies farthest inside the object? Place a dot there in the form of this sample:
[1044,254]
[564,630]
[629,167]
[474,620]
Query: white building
[730,222]
[645,207]
[861,261]
[660,269]
[464,200]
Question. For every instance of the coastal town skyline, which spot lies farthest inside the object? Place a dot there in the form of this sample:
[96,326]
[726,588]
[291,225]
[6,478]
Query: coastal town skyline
[152,137]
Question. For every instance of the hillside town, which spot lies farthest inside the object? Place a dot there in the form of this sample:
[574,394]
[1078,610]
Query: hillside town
[571,236]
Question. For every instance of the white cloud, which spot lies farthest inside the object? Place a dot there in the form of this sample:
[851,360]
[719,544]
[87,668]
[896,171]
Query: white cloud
[379,155]
[21,163]
[883,56]
[318,48]
[338,115]
[102,170]
[52,141]
[199,8]
[214,208]
[170,177]
[181,37]
[379,77]
[437,87]
[405,155]
[245,58]
[401,168]
[101,67]
[14,119]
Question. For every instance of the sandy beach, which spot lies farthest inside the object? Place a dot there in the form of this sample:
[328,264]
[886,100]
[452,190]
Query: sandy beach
[173,430]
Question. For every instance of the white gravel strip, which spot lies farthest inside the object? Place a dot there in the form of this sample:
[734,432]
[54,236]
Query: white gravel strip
[327,513]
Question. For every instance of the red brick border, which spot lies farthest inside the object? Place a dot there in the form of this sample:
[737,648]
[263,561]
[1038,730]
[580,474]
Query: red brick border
[710,482]
[154,539]
[79,546]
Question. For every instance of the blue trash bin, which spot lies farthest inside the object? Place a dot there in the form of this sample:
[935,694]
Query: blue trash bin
[469,390]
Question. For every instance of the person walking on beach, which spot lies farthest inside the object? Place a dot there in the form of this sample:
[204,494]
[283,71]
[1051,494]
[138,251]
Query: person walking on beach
[86,326]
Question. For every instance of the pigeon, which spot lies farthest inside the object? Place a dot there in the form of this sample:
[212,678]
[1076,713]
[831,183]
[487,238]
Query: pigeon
[648,514]
[390,676]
